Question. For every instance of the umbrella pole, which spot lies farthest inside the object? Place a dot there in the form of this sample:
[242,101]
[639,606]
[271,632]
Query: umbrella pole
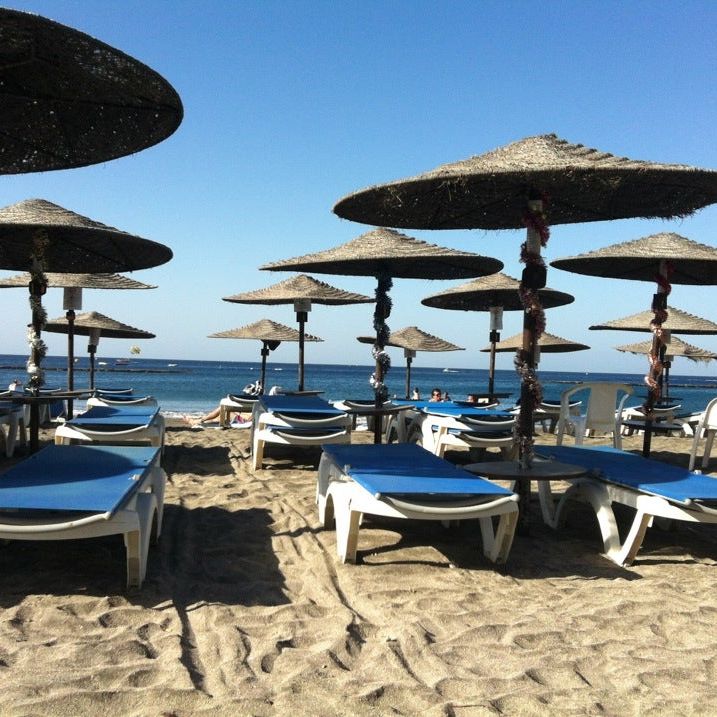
[91,349]
[381,312]
[408,376]
[70,359]
[264,354]
[301,317]
[533,279]
[38,286]
[496,324]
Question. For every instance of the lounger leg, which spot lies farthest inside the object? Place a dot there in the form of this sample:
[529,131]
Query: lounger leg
[348,522]
[634,539]
[257,454]
[324,503]
[137,541]
[496,545]
[159,482]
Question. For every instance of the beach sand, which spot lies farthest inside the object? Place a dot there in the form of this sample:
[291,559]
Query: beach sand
[246,611]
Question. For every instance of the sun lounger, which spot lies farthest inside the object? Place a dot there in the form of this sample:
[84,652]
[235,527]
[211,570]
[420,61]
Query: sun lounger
[113,425]
[296,421]
[442,426]
[652,488]
[86,492]
[404,480]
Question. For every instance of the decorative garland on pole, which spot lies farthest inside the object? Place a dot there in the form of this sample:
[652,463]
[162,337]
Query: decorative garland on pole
[38,287]
[381,312]
[532,280]
[659,308]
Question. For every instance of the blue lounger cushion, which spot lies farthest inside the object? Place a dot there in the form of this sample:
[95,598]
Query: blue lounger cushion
[299,404]
[76,478]
[407,469]
[115,416]
[633,471]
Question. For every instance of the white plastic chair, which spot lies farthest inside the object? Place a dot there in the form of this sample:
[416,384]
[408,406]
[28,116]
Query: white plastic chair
[706,428]
[602,414]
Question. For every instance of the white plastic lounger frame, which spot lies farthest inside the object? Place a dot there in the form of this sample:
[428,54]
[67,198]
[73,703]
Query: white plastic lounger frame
[600,495]
[342,501]
[275,427]
[106,401]
[151,434]
[441,432]
[134,521]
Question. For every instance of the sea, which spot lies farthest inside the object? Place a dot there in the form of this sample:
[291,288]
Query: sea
[184,387]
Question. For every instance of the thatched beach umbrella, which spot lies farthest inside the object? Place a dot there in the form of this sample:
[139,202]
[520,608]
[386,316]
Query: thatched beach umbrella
[96,325]
[387,254]
[675,347]
[666,258]
[73,284]
[270,333]
[38,235]
[412,339]
[519,185]
[69,100]
[496,293]
[677,322]
[302,291]
[548,344]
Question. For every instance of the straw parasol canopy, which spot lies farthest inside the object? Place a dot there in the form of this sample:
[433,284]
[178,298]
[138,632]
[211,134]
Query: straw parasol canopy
[412,339]
[93,320]
[548,343]
[64,241]
[77,281]
[495,294]
[96,325]
[497,290]
[387,254]
[270,333]
[676,347]
[678,322]
[489,191]
[302,291]
[509,188]
[69,100]
[639,259]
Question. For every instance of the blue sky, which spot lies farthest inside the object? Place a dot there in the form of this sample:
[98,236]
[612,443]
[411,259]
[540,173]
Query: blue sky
[291,105]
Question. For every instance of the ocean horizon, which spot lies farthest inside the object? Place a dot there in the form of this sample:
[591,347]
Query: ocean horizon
[184,386]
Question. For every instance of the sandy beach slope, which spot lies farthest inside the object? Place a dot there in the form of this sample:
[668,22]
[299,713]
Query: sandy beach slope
[245,611]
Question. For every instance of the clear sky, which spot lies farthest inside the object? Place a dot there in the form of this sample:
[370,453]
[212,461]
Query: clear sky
[291,105]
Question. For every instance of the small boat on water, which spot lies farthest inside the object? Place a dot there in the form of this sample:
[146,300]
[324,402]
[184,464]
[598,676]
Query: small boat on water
[171,365]
[102,363]
[449,370]
[121,362]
